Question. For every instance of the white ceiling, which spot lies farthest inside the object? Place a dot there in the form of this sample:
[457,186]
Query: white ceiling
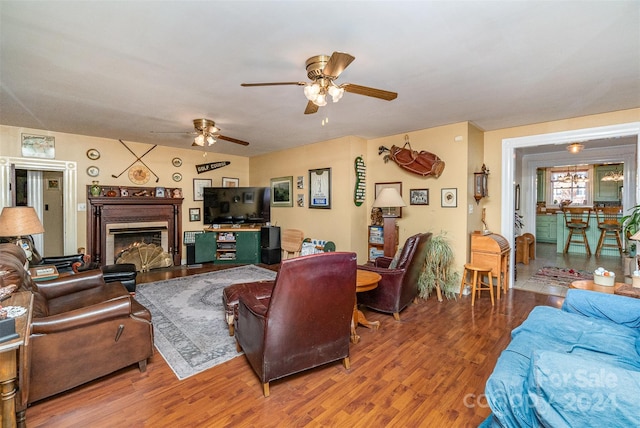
[119,69]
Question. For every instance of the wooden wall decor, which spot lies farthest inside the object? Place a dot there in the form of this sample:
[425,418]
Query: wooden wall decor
[422,163]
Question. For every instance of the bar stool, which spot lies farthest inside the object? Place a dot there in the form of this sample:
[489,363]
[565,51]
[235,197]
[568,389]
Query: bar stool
[575,222]
[610,228]
[472,275]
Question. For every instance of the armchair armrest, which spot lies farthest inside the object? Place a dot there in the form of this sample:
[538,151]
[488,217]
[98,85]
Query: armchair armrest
[618,309]
[382,262]
[254,305]
[70,284]
[82,317]
[387,274]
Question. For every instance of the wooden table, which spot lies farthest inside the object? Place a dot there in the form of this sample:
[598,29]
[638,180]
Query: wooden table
[8,357]
[592,286]
[365,281]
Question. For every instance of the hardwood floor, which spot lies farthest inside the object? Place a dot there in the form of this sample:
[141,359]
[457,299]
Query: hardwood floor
[429,369]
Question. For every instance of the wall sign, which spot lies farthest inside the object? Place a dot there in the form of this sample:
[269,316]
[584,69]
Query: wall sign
[205,167]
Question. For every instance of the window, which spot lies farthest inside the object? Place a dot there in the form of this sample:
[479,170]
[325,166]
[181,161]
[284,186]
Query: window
[571,184]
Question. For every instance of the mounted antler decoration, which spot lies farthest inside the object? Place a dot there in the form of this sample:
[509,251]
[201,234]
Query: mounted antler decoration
[421,163]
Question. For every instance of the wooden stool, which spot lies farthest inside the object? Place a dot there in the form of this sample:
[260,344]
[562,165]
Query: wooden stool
[610,228]
[476,282]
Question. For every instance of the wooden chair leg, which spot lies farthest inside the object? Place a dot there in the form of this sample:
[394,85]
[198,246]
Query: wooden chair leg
[396,316]
[142,365]
[566,246]
[265,389]
[346,363]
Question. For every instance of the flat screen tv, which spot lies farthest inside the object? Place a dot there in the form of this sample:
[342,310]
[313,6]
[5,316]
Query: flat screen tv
[236,205]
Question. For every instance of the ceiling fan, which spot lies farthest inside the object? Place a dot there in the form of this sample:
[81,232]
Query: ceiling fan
[323,70]
[206,132]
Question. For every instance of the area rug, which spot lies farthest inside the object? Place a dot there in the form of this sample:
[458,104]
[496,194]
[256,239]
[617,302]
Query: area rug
[559,277]
[189,324]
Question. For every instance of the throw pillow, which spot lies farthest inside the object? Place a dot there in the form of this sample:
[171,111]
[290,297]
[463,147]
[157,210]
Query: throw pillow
[394,261]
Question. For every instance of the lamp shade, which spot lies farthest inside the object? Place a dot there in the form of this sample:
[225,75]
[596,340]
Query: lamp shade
[19,221]
[389,198]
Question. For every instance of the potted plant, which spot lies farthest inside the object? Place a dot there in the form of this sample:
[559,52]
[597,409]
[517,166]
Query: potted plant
[631,224]
[438,269]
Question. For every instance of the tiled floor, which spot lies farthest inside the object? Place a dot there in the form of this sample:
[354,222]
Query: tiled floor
[546,256]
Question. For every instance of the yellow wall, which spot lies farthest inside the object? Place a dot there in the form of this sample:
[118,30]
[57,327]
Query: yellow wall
[462,147]
[115,158]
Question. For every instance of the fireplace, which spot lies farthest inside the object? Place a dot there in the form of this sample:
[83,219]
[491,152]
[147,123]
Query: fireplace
[122,236]
[117,222]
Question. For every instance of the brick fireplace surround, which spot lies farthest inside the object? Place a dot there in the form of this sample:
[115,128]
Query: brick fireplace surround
[103,211]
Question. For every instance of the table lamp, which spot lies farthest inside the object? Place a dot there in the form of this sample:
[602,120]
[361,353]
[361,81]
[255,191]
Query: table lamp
[18,223]
[387,199]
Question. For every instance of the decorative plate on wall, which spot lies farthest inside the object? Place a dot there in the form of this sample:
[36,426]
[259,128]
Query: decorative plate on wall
[176,176]
[93,154]
[177,162]
[93,171]
[139,174]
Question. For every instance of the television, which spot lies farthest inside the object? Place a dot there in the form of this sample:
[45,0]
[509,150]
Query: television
[236,205]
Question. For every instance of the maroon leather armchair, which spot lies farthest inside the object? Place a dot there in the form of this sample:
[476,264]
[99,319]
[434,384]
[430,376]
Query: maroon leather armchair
[306,322]
[399,285]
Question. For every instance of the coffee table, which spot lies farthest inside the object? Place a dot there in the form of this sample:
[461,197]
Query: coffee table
[365,281]
[592,286]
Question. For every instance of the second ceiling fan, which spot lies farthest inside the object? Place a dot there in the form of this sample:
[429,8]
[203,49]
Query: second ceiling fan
[323,70]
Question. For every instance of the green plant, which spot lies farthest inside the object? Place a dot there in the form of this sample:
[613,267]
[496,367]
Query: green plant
[631,222]
[438,269]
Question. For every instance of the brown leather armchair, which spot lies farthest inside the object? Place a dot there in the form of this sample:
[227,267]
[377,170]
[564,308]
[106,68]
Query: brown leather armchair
[82,328]
[399,285]
[306,322]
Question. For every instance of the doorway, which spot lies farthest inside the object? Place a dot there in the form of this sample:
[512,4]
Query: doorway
[68,171]
[513,170]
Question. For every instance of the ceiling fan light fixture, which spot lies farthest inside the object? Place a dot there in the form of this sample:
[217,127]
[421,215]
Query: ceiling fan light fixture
[336,92]
[199,140]
[210,140]
[311,91]
[321,100]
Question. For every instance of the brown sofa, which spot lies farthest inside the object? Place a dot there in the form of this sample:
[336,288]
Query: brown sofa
[82,329]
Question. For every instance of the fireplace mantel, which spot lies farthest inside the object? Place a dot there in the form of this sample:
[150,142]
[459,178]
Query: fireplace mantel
[103,210]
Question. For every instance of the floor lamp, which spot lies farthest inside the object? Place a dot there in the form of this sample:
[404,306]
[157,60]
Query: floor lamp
[19,223]
[387,199]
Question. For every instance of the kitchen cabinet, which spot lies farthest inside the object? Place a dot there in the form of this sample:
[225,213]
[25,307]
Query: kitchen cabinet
[606,190]
[546,228]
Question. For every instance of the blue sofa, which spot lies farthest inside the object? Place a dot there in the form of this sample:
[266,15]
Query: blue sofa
[577,366]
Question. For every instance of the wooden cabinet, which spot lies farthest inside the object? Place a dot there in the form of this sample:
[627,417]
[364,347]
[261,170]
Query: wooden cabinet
[228,246]
[376,242]
[606,190]
[546,228]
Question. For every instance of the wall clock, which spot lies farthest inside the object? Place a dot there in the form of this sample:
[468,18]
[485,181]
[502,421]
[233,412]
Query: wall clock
[139,174]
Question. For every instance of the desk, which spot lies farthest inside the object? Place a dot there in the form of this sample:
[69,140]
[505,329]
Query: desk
[365,281]
[592,286]
[8,357]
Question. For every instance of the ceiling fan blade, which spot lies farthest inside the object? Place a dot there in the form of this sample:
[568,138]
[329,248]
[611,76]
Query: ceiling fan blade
[273,84]
[337,63]
[233,140]
[369,92]
[174,132]
[311,108]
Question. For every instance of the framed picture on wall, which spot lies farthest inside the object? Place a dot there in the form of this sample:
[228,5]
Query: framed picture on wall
[320,188]
[198,187]
[449,198]
[38,146]
[194,214]
[395,211]
[281,192]
[419,196]
[230,182]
